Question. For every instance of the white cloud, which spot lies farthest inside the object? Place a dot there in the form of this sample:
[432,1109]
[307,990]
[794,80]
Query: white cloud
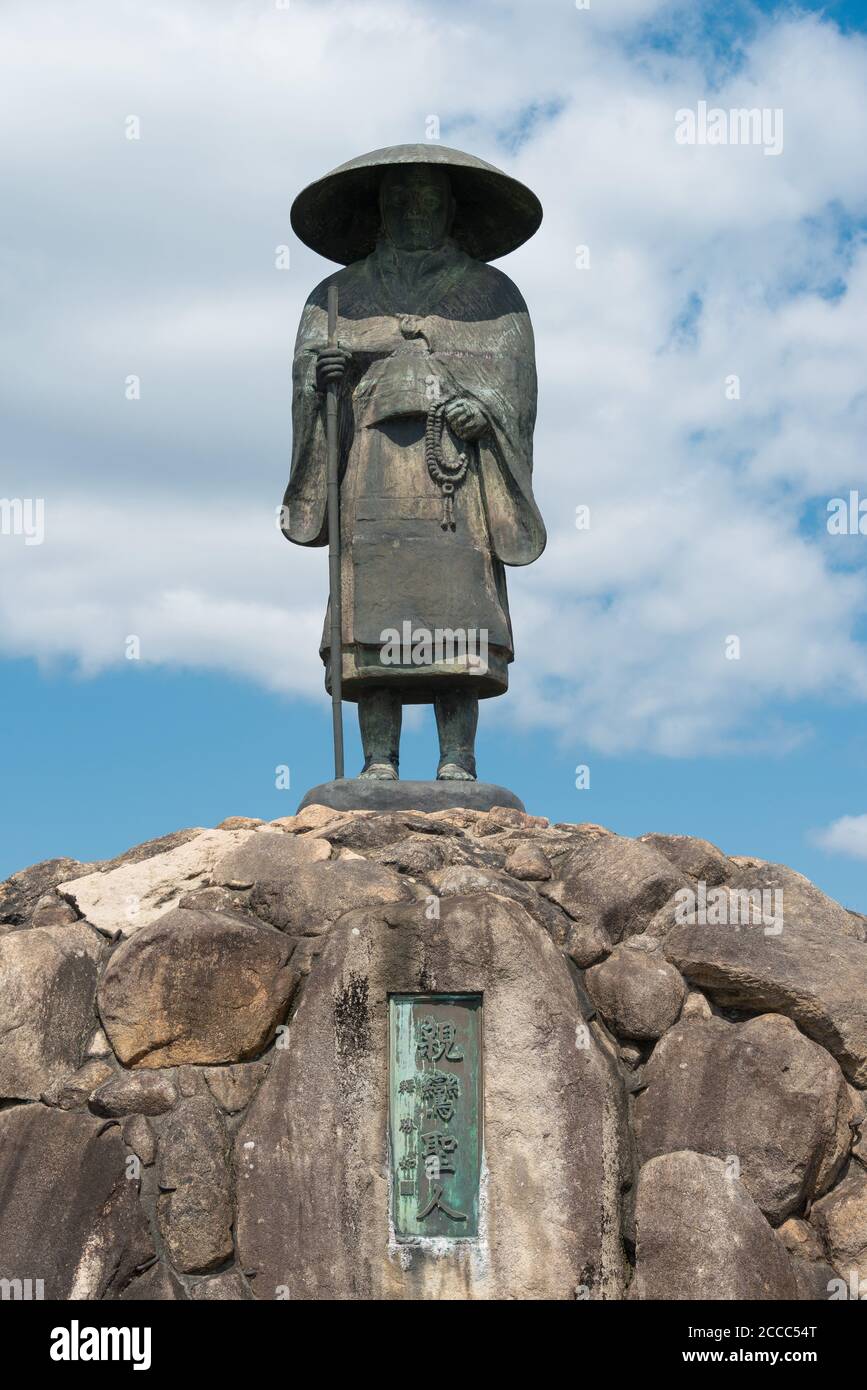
[157,257]
[848,836]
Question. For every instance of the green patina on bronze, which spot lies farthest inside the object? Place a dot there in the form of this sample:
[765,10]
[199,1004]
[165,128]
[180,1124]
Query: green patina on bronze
[435,1114]
[431,376]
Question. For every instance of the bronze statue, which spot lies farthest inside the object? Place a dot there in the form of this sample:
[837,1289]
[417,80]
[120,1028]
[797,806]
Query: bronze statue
[437,404]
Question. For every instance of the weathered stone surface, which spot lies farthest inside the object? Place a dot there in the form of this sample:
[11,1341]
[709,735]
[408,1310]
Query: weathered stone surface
[697,858]
[700,1235]
[816,1279]
[240,823]
[637,992]
[816,977]
[419,854]
[553,1111]
[138,1136]
[268,856]
[195,1202]
[841,1220]
[99,1045]
[509,816]
[68,1212]
[223,1288]
[614,884]
[313,817]
[53,911]
[320,893]
[365,833]
[74,1091]
[159,1284]
[47,988]
[139,890]
[696,1005]
[135,1093]
[758,1092]
[235,901]
[234,1087]
[196,987]
[528,861]
[801,900]
[583,945]
[801,1239]
[20,893]
[191,1081]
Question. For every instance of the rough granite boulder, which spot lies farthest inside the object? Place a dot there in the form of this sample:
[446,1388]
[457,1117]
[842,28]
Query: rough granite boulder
[583,944]
[135,1093]
[700,1235]
[156,1285]
[194,1065]
[69,1211]
[199,987]
[815,976]
[234,1087]
[614,884]
[268,856]
[553,1112]
[195,1207]
[699,859]
[228,1287]
[637,992]
[76,1089]
[137,891]
[20,893]
[318,893]
[801,900]
[758,1095]
[48,978]
[841,1220]
[369,832]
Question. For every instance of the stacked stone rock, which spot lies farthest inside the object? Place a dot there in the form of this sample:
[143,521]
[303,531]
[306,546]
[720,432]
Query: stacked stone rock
[192,1065]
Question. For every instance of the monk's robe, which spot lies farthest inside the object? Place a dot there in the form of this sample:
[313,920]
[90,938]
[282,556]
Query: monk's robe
[422,326]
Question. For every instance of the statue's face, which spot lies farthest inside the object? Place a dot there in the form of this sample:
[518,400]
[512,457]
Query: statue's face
[417,206]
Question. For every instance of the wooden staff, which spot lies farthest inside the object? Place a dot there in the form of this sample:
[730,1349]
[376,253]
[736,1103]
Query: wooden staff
[333,457]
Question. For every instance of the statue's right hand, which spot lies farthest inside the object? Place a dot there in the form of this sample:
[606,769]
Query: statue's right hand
[331,364]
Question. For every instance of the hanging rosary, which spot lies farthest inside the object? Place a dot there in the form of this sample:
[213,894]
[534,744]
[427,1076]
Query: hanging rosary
[447,474]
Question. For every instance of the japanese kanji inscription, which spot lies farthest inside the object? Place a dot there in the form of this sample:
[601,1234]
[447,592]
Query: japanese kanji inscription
[435,1113]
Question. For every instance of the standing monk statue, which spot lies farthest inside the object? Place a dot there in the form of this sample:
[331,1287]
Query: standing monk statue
[437,402]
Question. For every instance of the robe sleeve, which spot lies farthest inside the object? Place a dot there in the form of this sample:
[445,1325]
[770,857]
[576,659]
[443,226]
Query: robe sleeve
[304,518]
[500,374]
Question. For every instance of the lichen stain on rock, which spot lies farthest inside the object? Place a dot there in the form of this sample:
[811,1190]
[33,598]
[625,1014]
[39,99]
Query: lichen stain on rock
[352,1017]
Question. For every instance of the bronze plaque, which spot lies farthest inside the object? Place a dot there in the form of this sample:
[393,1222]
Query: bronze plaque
[435,1113]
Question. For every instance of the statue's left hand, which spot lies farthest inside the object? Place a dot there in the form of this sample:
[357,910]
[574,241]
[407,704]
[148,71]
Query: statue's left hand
[466,418]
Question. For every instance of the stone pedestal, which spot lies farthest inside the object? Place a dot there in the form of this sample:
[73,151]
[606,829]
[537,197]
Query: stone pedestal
[366,794]
[314,1171]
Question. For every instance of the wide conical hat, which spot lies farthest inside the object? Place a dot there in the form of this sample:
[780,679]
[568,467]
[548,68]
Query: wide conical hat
[338,215]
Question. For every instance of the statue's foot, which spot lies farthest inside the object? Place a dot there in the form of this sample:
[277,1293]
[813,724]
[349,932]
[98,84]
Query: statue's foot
[453,772]
[379,772]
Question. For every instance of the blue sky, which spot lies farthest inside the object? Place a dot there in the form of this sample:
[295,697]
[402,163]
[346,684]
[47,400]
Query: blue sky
[157,257]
